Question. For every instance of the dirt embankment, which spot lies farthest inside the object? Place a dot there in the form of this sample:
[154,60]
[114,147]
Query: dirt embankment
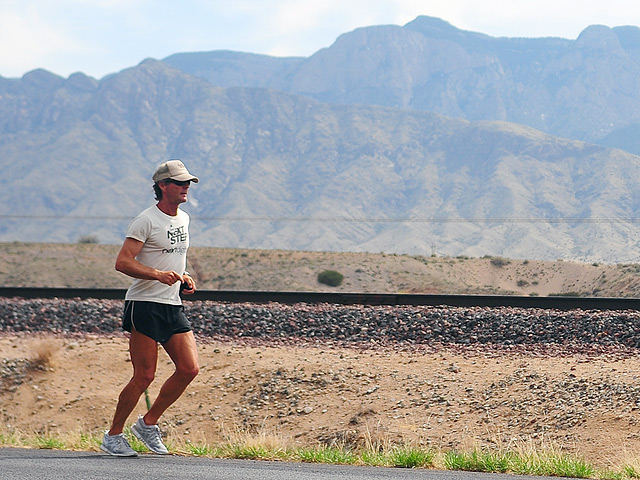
[334,380]
[308,388]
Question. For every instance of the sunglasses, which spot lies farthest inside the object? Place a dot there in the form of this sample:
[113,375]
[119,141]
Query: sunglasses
[178,182]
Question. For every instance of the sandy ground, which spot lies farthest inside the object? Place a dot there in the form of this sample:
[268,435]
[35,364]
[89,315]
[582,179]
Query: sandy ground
[585,404]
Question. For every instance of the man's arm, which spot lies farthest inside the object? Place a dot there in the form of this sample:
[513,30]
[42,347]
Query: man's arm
[126,263]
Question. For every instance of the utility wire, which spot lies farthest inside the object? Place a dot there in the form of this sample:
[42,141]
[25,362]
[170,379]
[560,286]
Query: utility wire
[496,220]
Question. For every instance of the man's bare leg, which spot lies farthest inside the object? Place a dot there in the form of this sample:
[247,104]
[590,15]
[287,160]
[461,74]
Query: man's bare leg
[182,350]
[144,358]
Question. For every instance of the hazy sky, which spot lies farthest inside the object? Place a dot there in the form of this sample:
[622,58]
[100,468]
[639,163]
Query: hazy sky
[99,37]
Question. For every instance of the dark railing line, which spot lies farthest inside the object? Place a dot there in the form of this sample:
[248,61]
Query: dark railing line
[238,296]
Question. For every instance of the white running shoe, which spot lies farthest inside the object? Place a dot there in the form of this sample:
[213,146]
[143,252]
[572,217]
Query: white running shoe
[150,436]
[117,445]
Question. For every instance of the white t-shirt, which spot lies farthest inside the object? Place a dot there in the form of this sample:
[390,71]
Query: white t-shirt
[166,240]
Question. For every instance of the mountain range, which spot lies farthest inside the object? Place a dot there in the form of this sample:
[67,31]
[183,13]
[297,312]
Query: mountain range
[420,139]
[586,89]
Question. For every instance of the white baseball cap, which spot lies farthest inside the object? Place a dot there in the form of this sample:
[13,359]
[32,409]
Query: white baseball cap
[175,170]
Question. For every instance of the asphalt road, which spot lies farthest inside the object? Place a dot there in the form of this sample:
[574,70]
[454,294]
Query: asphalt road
[29,464]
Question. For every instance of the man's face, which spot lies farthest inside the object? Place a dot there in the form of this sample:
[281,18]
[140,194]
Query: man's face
[175,191]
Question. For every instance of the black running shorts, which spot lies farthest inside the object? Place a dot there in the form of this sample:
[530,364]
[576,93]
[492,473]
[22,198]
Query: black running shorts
[155,320]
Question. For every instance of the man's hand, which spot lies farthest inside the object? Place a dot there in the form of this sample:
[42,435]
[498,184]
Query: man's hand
[188,284]
[169,277]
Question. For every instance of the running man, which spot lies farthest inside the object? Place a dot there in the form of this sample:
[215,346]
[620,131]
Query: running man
[154,254]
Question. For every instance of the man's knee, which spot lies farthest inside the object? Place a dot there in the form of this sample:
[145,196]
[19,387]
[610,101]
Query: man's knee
[143,379]
[188,372]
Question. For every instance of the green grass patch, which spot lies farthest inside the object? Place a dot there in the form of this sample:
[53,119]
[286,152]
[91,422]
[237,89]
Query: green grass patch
[373,458]
[478,461]
[203,450]
[631,472]
[250,452]
[269,447]
[50,442]
[408,457]
[9,440]
[565,466]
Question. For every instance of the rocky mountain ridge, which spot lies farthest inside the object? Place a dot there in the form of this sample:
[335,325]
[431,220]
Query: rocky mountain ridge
[585,89]
[285,171]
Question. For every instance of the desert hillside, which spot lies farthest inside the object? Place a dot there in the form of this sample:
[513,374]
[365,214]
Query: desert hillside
[91,265]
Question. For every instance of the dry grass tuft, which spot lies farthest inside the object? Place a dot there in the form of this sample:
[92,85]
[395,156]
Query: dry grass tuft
[42,354]
[258,438]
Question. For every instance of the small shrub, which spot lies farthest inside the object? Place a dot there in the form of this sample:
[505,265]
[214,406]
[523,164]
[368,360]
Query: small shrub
[88,239]
[500,262]
[330,277]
